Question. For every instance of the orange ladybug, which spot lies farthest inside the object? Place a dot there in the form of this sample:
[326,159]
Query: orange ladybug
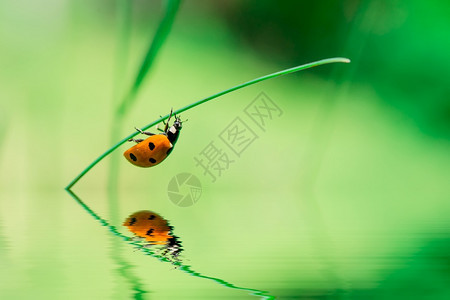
[154,230]
[153,150]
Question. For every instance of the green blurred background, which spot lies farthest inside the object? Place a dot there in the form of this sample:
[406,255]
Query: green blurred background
[344,196]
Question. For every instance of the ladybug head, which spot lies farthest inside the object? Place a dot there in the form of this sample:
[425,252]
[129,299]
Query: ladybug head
[174,131]
[177,123]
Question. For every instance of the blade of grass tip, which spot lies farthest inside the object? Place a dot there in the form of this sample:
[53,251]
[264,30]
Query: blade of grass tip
[262,78]
[158,40]
[245,84]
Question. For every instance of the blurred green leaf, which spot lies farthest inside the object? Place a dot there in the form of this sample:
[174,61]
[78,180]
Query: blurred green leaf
[158,40]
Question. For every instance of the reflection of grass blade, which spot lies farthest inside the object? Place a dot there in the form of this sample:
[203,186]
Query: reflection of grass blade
[237,87]
[147,251]
[158,40]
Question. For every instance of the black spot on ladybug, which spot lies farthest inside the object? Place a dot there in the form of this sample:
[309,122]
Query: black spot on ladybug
[132,221]
[150,231]
[152,160]
[151,146]
[133,157]
[170,150]
[151,217]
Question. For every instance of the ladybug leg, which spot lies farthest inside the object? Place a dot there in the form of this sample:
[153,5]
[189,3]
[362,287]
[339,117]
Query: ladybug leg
[136,140]
[159,129]
[144,132]
[167,124]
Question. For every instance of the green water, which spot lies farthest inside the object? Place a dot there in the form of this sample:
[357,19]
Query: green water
[341,194]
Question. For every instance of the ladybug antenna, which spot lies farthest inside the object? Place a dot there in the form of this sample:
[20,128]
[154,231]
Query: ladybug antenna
[182,120]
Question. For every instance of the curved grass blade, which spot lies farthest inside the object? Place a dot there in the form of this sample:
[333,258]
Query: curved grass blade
[158,40]
[237,87]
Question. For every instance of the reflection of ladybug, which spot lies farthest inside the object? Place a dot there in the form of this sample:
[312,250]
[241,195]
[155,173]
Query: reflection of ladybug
[149,225]
[153,150]
[156,232]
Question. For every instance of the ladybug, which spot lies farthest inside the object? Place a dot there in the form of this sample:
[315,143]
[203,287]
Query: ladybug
[154,149]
